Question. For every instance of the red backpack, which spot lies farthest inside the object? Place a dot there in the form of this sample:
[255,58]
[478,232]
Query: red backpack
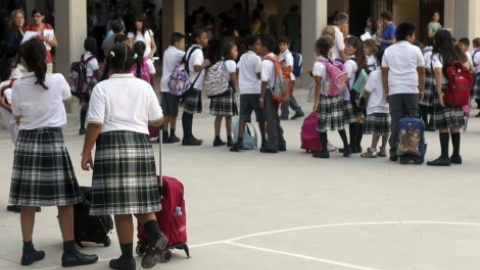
[459,88]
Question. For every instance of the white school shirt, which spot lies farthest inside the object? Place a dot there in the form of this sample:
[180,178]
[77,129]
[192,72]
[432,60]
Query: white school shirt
[428,60]
[339,44]
[124,103]
[469,57]
[437,63]
[476,60]
[288,58]
[372,62]
[268,71]
[231,67]
[320,70]
[37,107]
[196,59]
[249,66]
[403,59]
[147,39]
[171,58]
[351,68]
[7,116]
[92,65]
[374,86]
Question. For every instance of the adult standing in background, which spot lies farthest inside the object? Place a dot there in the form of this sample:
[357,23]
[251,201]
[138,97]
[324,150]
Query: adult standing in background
[341,27]
[14,36]
[142,33]
[372,28]
[118,28]
[265,22]
[388,34]
[39,26]
[434,25]
[3,26]
[292,24]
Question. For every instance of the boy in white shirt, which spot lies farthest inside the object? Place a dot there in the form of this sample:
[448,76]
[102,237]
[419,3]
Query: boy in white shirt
[378,118]
[172,57]
[275,141]
[286,60]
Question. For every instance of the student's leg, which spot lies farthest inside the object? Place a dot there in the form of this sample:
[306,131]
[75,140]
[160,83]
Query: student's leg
[285,111]
[218,126]
[271,116]
[323,141]
[455,134]
[361,128]
[260,115]
[424,113]
[228,126]
[263,131]
[347,151]
[27,222]
[352,135]
[173,113]
[375,140]
[296,108]
[187,120]
[166,124]
[282,144]
[124,226]
[83,119]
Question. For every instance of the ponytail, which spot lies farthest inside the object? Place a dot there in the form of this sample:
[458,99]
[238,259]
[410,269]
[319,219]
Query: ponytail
[106,70]
[120,58]
[34,54]
[139,48]
[40,73]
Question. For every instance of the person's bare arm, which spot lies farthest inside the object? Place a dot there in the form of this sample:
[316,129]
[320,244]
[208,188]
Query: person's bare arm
[385,82]
[96,74]
[205,64]
[154,48]
[233,78]
[263,93]
[343,55]
[438,84]
[93,130]
[318,89]
[421,82]
[157,122]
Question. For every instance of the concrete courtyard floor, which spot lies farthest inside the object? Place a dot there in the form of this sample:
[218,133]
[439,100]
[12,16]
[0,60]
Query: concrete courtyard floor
[291,211]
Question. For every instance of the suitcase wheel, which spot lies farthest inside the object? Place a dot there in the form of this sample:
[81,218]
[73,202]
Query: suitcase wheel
[166,256]
[107,242]
[141,249]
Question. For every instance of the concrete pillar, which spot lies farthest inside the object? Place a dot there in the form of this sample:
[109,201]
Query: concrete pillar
[71,31]
[173,19]
[30,5]
[449,15]
[314,19]
[465,19]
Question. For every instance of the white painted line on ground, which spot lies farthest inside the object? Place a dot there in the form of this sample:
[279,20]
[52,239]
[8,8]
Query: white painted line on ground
[347,265]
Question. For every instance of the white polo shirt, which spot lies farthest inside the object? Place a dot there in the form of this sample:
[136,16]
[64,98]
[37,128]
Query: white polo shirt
[249,66]
[351,68]
[403,59]
[92,65]
[196,59]
[286,59]
[231,67]
[437,63]
[374,86]
[339,44]
[320,70]
[268,72]
[171,58]
[8,119]
[37,107]
[124,102]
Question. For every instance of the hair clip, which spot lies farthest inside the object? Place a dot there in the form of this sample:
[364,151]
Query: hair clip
[112,53]
[135,56]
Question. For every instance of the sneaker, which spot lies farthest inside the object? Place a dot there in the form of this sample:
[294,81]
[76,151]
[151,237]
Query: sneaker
[123,264]
[297,115]
[331,147]
[218,142]
[371,153]
[192,142]
[324,155]
[81,131]
[29,258]
[439,162]
[174,139]
[153,254]
[237,147]
[154,139]
[383,152]
[478,115]
[457,160]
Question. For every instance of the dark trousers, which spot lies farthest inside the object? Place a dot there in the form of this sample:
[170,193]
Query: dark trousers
[275,137]
[292,104]
[400,105]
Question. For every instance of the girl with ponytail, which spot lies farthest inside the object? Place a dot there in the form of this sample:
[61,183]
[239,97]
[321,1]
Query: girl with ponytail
[143,67]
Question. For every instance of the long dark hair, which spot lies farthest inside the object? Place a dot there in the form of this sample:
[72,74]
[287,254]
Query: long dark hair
[144,25]
[226,51]
[374,28]
[359,55]
[443,45]
[34,53]
[324,45]
[139,48]
[120,57]
[90,45]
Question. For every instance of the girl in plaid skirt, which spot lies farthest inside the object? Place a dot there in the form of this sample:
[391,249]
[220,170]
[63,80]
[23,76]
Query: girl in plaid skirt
[447,120]
[426,104]
[124,181]
[42,171]
[93,76]
[226,105]
[330,109]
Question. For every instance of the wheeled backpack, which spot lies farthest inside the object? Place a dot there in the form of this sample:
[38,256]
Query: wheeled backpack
[309,134]
[411,146]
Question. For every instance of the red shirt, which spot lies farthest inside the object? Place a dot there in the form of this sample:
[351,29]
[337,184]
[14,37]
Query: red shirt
[32,27]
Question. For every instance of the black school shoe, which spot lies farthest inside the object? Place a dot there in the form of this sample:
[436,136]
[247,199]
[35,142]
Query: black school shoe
[192,142]
[153,255]
[218,142]
[297,115]
[268,151]
[324,155]
[123,264]
[174,139]
[77,259]
[29,258]
[237,147]
[347,152]
[440,162]
[457,160]
[82,131]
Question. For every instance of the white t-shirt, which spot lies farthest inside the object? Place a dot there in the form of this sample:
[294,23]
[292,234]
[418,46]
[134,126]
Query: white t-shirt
[403,59]
[7,116]
[372,62]
[469,57]
[196,59]
[374,86]
[428,60]
[147,38]
[171,58]
[231,67]
[351,68]
[320,70]
[92,65]
[40,108]
[437,63]
[339,44]
[125,103]
[476,60]
[249,66]
[268,71]
[286,59]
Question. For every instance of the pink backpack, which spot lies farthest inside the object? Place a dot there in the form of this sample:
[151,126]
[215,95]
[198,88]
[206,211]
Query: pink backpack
[309,135]
[145,73]
[337,77]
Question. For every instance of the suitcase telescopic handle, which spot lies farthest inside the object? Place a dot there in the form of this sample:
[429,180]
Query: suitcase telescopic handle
[160,151]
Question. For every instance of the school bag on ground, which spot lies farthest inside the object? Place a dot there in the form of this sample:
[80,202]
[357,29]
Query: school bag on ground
[337,76]
[459,88]
[89,228]
[411,147]
[216,83]
[172,219]
[144,71]
[79,82]
[283,86]
[249,137]
[309,134]
[297,64]
[179,82]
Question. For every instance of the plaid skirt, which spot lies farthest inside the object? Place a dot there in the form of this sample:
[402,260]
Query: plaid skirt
[378,124]
[444,117]
[42,173]
[124,176]
[350,114]
[330,114]
[476,87]
[428,94]
[192,104]
[225,105]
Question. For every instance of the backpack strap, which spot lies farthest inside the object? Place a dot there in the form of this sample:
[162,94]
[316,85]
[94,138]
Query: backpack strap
[186,59]
[473,58]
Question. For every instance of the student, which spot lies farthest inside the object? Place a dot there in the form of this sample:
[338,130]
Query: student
[93,76]
[330,109]
[462,50]
[121,39]
[275,141]
[340,26]
[192,104]
[476,64]
[388,34]
[42,172]
[403,69]
[286,61]
[120,109]
[426,104]
[378,117]
[370,50]
[447,120]
[171,58]
[249,69]
[226,106]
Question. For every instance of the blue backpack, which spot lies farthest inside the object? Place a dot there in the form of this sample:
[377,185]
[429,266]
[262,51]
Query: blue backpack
[249,139]
[297,64]
[411,137]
